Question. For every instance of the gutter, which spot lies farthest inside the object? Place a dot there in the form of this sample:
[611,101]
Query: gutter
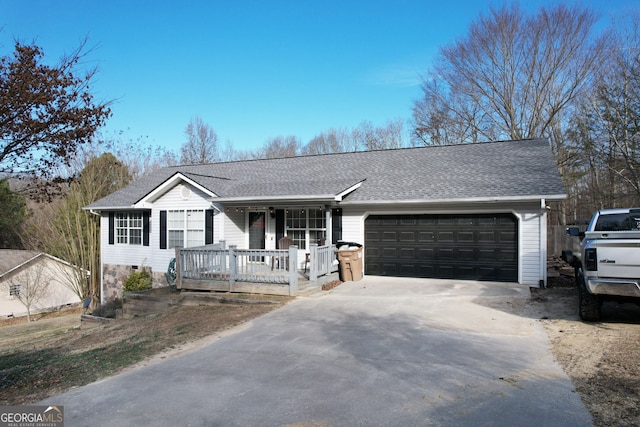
[95,210]
[467,200]
[292,198]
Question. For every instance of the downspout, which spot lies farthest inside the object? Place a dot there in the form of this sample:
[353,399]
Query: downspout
[543,242]
[101,266]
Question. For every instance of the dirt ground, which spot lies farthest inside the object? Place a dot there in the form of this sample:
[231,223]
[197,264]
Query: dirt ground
[602,358]
[54,353]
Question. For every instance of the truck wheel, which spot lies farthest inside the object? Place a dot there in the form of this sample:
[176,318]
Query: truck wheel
[589,305]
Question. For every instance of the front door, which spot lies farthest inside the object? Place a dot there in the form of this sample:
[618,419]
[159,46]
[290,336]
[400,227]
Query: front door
[257,229]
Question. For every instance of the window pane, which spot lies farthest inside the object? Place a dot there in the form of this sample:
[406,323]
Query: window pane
[298,237]
[175,220]
[122,235]
[135,220]
[195,220]
[315,236]
[135,236]
[195,228]
[176,238]
[296,218]
[194,238]
[317,218]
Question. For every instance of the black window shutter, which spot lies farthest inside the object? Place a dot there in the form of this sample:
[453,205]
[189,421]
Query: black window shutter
[112,228]
[279,225]
[208,226]
[163,229]
[145,228]
[336,225]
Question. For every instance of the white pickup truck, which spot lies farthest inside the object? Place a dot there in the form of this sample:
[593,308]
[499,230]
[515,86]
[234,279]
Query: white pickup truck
[608,266]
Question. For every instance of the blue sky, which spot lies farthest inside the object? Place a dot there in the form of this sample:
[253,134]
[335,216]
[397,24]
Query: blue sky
[251,69]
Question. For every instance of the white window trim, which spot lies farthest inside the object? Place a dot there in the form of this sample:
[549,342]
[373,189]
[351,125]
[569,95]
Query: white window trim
[185,229]
[307,229]
[127,217]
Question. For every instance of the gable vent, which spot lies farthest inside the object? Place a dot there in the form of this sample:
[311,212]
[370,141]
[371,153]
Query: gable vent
[185,192]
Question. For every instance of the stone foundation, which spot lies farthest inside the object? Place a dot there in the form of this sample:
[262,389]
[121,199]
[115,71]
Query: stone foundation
[114,275]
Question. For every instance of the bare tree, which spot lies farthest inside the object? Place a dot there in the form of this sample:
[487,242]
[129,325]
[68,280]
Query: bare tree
[201,146]
[29,287]
[371,137]
[229,153]
[280,146]
[136,153]
[75,235]
[366,136]
[330,141]
[606,130]
[63,229]
[511,77]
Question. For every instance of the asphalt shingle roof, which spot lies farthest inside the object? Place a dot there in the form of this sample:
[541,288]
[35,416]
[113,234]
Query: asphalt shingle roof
[11,258]
[491,170]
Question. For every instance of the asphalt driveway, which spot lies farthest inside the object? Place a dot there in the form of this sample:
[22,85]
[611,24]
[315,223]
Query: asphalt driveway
[378,352]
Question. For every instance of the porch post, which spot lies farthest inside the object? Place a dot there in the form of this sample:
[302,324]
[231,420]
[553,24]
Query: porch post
[293,270]
[233,266]
[328,223]
[313,260]
[223,257]
[178,267]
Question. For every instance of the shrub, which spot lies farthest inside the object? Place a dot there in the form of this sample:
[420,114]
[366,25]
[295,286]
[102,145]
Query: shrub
[107,309]
[138,281]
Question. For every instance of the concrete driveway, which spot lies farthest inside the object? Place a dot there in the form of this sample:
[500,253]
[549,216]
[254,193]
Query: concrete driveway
[378,352]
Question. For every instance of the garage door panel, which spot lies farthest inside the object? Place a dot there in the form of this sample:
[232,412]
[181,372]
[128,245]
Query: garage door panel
[425,236]
[466,236]
[389,236]
[506,255]
[488,255]
[467,254]
[425,270]
[506,236]
[426,254]
[445,254]
[407,236]
[486,236]
[482,247]
[445,272]
[445,220]
[444,236]
[408,253]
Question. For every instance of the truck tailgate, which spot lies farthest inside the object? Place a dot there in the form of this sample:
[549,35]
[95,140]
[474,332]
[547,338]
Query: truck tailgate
[618,258]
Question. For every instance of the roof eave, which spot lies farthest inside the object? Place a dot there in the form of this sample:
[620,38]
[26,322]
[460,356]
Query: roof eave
[274,199]
[548,197]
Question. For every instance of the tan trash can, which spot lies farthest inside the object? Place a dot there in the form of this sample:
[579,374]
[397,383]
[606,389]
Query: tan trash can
[350,264]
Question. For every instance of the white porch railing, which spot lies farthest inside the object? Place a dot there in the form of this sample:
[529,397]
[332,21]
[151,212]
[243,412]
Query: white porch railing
[321,260]
[214,267]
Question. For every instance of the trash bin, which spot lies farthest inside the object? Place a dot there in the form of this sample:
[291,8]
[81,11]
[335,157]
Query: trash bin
[350,258]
